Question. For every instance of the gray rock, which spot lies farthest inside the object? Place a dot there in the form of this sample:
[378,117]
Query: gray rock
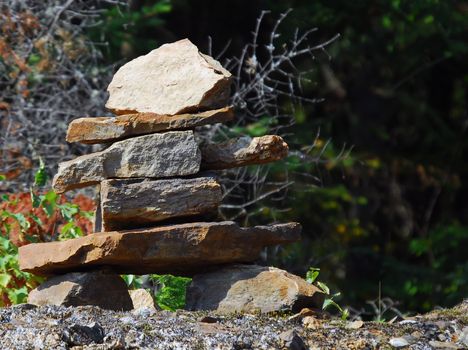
[251,288]
[127,204]
[401,341]
[243,151]
[173,79]
[292,341]
[78,335]
[182,249]
[107,291]
[173,153]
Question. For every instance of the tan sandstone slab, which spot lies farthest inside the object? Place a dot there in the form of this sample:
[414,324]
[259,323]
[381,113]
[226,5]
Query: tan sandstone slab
[174,153]
[172,79]
[182,249]
[243,151]
[251,289]
[142,299]
[135,203]
[108,129]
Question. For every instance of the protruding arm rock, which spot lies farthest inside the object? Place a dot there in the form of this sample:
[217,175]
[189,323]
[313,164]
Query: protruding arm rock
[243,151]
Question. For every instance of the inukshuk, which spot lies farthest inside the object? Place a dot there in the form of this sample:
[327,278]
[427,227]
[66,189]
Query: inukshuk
[155,190]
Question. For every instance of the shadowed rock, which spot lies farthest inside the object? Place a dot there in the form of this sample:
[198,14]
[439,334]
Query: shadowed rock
[97,288]
[176,249]
[135,203]
[107,129]
[251,288]
[173,79]
[173,153]
[243,151]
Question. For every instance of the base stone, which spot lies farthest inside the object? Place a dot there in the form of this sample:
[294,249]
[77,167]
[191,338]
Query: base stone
[251,289]
[107,291]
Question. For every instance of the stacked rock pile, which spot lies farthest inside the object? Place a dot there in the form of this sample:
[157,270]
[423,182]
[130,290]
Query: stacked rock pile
[156,191]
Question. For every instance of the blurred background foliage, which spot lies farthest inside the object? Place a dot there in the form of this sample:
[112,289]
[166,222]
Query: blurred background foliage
[387,205]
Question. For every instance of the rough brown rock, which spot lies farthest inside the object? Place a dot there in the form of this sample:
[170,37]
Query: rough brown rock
[141,298]
[97,288]
[174,153]
[173,79]
[176,249]
[135,203]
[109,129]
[243,151]
[251,289]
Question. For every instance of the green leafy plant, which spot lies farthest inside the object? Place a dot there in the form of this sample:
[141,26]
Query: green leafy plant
[14,283]
[170,294]
[311,277]
[59,221]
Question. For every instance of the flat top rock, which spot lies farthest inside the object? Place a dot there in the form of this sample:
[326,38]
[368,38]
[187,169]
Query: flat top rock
[92,130]
[182,249]
[172,79]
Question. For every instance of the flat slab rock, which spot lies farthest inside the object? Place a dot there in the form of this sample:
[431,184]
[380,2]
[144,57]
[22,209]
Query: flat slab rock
[97,288]
[251,289]
[173,79]
[243,151]
[108,129]
[182,249]
[136,203]
[174,153]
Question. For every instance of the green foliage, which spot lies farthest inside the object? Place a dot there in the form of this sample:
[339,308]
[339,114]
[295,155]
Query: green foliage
[128,31]
[14,283]
[170,293]
[171,296]
[329,302]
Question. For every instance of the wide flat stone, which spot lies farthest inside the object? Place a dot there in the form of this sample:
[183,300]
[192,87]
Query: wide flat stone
[243,151]
[182,249]
[108,129]
[251,289]
[174,153]
[173,79]
[127,204]
[108,291]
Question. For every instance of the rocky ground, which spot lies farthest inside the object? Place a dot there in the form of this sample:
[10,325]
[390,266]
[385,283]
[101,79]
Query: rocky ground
[50,327]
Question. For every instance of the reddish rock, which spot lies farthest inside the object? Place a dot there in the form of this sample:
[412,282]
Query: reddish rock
[108,129]
[182,249]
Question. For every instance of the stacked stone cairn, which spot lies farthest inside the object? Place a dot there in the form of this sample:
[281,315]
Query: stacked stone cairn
[156,192]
